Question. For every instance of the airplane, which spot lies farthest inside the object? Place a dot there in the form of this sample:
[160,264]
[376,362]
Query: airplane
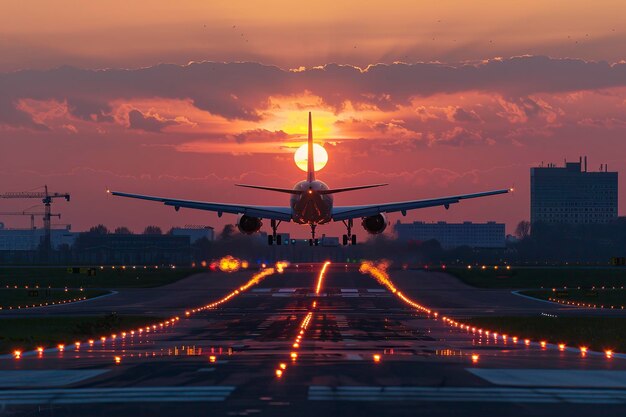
[311,203]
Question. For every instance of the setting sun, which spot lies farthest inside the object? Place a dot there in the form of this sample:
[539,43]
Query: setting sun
[319,155]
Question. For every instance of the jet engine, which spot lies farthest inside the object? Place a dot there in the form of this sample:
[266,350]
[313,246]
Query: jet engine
[248,224]
[375,224]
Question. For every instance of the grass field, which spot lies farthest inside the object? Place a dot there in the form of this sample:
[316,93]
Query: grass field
[523,277]
[598,297]
[20,297]
[31,332]
[59,277]
[596,333]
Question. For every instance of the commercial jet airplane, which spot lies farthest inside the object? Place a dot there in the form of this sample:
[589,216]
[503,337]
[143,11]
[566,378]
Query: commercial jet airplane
[311,203]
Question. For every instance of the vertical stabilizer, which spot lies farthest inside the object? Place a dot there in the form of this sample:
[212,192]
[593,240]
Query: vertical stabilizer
[311,163]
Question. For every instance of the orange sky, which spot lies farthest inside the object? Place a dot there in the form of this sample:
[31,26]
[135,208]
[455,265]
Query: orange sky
[501,98]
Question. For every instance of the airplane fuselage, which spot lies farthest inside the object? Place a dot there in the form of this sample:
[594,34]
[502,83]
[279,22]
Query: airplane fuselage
[311,207]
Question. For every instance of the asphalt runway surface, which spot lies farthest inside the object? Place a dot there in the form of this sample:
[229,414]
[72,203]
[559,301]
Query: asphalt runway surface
[361,351]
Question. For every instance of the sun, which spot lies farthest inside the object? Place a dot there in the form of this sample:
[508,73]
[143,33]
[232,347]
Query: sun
[320,157]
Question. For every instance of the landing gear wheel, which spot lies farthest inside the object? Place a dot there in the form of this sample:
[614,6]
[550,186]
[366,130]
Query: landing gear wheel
[310,242]
[354,239]
[270,240]
[279,240]
[345,240]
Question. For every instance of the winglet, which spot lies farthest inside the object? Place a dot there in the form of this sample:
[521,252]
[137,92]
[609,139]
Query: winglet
[311,163]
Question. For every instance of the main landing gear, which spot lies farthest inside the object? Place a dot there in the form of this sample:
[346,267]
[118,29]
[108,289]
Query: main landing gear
[275,237]
[349,239]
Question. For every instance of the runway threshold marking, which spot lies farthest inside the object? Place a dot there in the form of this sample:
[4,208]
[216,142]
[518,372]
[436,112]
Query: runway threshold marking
[469,394]
[572,378]
[115,395]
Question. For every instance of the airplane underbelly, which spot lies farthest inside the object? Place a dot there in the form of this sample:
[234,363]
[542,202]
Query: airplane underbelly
[312,210]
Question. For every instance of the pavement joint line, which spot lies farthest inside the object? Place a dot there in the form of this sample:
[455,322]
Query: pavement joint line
[469,394]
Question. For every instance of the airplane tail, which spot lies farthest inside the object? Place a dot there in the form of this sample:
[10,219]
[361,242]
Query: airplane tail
[311,162]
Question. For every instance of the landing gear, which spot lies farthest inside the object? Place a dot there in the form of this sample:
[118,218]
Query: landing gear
[274,237]
[313,241]
[349,238]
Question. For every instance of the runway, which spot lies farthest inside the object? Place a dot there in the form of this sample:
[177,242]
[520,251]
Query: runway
[361,351]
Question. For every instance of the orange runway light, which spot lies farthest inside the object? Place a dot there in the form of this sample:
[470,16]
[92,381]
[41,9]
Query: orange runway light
[296,345]
[583,350]
[475,358]
[212,358]
[90,341]
[103,339]
[279,373]
[40,350]
[61,348]
[527,342]
[117,360]
[17,354]
[561,347]
[543,344]
[376,358]
[608,353]
[283,366]
[294,355]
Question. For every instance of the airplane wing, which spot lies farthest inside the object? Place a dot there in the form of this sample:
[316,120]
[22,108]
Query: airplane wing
[351,212]
[265,212]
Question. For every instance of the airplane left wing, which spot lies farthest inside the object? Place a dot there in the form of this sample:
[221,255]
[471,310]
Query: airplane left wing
[351,212]
[264,212]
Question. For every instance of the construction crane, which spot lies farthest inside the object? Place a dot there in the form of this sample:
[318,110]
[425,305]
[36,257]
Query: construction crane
[46,198]
[32,215]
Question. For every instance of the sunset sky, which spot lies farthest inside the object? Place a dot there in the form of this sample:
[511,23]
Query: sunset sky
[184,99]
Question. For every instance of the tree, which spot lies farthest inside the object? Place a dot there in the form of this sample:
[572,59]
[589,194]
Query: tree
[99,230]
[522,231]
[123,230]
[153,230]
[228,232]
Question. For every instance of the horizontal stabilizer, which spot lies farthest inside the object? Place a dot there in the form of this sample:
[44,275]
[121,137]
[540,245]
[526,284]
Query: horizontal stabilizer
[358,187]
[279,190]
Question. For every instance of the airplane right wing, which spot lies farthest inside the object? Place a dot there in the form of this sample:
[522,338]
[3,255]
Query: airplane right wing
[351,212]
[264,212]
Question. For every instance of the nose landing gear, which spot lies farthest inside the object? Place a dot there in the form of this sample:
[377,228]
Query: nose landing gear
[313,241]
[349,239]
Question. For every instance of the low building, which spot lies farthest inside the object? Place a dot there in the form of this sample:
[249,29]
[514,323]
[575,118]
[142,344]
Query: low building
[452,235]
[30,239]
[123,249]
[195,233]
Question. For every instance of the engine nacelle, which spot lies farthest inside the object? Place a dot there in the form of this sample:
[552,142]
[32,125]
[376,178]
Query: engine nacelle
[248,224]
[375,224]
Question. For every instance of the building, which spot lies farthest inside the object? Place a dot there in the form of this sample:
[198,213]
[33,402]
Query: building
[129,249]
[195,233]
[30,239]
[572,195]
[452,235]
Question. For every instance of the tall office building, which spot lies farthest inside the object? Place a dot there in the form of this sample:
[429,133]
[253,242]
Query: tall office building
[572,195]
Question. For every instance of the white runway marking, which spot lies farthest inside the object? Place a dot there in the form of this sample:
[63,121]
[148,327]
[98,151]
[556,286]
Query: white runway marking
[553,377]
[45,378]
[472,394]
[115,395]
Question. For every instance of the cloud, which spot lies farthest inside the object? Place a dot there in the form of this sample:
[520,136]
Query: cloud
[148,123]
[243,90]
[461,115]
[260,135]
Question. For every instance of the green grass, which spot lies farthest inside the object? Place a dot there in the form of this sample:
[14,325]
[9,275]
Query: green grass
[596,333]
[523,277]
[59,277]
[598,297]
[21,297]
[30,332]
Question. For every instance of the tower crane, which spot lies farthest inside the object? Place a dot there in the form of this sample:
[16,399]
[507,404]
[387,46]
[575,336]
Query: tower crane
[32,215]
[46,198]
